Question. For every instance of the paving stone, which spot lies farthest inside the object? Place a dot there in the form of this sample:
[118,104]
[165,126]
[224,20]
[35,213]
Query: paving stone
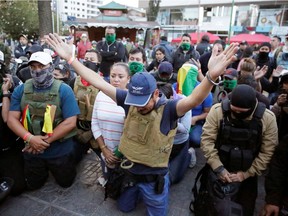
[86,198]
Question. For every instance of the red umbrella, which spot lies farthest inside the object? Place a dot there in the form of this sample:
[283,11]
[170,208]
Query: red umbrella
[195,37]
[250,38]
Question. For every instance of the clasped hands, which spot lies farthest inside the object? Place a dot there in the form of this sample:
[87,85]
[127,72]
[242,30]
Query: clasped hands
[36,145]
[227,177]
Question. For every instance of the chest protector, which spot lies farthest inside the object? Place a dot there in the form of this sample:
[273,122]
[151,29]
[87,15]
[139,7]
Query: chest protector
[37,106]
[143,142]
[85,96]
[239,141]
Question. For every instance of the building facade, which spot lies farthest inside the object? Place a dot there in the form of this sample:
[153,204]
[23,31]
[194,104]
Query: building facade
[221,16]
[84,9]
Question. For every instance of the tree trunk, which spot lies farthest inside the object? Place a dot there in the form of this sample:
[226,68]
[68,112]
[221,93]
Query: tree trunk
[45,17]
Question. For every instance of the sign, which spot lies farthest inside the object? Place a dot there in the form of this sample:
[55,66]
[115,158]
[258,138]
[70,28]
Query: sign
[115,13]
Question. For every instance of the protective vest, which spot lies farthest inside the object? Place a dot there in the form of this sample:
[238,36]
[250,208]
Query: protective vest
[85,96]
[37,106]
[239,141]
[143,142]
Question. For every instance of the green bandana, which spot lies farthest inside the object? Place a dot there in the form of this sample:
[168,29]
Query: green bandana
[110,38]
[185,46]
[135,67]
[229,84]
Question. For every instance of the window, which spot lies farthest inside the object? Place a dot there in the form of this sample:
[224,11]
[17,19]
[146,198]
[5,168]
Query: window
[66,7]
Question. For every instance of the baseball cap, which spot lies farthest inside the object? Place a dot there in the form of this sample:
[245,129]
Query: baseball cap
[141,87]
[94,42]
[83,35]
[34,48]
[165,67]
[1,57]
[41,57]
[23,35]
[231,73]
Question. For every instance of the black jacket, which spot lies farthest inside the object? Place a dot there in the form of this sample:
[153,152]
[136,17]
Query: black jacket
[276,182]
[179,57]
[111,54]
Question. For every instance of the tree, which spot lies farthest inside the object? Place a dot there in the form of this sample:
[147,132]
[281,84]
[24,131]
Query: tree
[45,17]
[19,17]
[153,10]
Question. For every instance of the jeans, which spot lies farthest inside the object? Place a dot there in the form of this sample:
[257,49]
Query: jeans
[179,164]
[195,135]
[156,204]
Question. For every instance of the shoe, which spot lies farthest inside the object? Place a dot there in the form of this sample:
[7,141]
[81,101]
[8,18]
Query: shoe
[193,160]
[6,185]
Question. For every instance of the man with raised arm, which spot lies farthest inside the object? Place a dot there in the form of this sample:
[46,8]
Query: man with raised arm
[147,138]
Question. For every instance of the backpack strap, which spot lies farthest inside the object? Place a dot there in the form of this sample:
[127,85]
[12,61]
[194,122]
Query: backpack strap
[194,189]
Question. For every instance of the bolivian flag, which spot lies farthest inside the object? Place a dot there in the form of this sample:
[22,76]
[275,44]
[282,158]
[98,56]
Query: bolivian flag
[186,79]
[26,120]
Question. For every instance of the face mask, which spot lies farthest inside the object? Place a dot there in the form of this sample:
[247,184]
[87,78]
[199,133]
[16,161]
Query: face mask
[93,66]
[43,78]
[242,115]
[263,55]
[135,67]
[185,46]
[229,84]
[110,38]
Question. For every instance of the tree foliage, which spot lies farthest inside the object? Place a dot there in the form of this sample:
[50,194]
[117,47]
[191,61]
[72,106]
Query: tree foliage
[153,10]
[19,17]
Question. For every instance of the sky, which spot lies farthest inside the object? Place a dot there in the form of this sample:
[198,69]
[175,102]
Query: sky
[132,3]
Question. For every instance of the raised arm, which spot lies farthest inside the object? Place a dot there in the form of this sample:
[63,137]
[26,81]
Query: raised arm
[65,51]
[217,64]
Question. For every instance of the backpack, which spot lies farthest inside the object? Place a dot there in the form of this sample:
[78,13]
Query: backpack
[214,198]
[114,185]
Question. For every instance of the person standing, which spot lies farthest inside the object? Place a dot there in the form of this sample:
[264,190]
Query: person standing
[111,51]
[22,47]
[82,46]
[184,53]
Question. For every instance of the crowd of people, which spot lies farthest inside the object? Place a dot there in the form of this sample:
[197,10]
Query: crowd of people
[145,118]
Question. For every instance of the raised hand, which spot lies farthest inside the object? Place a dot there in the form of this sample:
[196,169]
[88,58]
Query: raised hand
[219,62]
[260,72]
[62,49]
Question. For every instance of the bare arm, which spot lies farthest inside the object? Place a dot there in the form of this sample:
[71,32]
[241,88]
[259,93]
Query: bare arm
[65,51]
[216,65]
[6,100]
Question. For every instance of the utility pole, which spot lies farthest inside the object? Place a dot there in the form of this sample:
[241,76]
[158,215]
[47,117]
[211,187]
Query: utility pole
[230,25]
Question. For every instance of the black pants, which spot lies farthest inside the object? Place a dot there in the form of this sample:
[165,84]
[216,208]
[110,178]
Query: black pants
[247,195]
[62,168]
[12,166]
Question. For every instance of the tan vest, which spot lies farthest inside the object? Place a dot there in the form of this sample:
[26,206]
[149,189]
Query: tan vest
[142,141]
[85,96]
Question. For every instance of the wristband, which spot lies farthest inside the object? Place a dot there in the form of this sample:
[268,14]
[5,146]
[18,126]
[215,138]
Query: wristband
[71,60]
[211,81]
[26,136]
[29,139]
[7,95]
